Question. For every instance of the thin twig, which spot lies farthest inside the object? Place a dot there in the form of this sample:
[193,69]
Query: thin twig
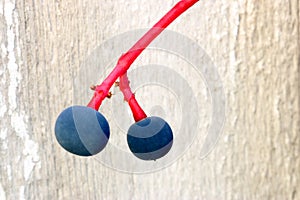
[128,58]
[137,111]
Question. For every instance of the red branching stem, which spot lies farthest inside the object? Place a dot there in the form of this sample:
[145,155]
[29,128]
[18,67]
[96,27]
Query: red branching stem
[137,111]
[128,58]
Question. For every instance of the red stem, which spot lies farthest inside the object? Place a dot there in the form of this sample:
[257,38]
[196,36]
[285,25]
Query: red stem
[137,111]
[128,58]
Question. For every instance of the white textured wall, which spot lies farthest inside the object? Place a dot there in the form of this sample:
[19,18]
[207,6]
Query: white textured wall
[254,44]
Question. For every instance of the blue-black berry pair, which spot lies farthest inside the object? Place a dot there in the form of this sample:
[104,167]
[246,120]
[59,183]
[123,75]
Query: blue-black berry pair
[85,132]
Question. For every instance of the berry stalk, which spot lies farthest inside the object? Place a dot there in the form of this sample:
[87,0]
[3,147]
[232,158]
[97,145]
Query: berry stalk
[137,111]
[125,61]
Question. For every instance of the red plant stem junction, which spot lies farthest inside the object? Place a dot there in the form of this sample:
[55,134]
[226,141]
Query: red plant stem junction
[125,61]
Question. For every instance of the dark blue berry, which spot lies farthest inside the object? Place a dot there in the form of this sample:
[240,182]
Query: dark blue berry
[150,138]
[82,130]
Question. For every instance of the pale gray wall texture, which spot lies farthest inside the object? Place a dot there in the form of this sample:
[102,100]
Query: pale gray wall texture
[254,44]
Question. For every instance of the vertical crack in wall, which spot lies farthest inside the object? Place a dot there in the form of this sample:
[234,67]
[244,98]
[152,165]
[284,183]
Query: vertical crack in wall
[14,127]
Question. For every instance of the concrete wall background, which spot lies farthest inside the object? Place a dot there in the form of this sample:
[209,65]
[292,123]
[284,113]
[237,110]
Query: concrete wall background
[255,45]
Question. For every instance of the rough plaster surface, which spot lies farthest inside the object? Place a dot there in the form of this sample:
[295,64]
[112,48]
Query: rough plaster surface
[255,45]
